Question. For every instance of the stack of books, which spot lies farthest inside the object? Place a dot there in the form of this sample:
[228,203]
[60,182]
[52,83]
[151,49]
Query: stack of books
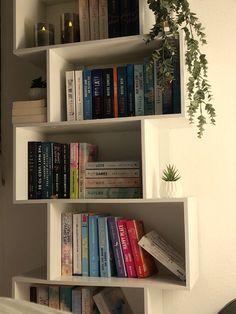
[113,179]
[98,245]
[31,111]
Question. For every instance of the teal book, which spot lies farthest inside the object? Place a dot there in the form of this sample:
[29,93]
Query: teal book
[122,92]
[85,253]
[88,114]
[94,269]
[66,298]
[139,92]
[130,90]
[77,300]
[148,74]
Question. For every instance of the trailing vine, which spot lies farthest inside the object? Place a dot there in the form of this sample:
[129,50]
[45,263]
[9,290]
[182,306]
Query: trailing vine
[171,16]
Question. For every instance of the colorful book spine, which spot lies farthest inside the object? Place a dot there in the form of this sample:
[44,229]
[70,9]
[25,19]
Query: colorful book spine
[97,93]
[107,173]
[74,170]
[66,244]
[47,169]
[130,90]
[148,74]
[57,170]
[84,20]
[158,97]
[66,298]
[88,114]
[65,172]
[115,86]
[103,193]
[139,95]
[113,18]
[53,296]
[94,268]
[116,246]
[70,95]
[94,19]
[113,165]
[42,295]
[108,107]
[113,182]
[103,19]
[77,244]
[77,300]
[79,97]
[176,81]
[122,92]
[39,170]
[124,239]
[85,252]
[32,169]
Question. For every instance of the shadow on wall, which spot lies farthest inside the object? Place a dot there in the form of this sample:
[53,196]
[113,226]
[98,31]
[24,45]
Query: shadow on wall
[229,308]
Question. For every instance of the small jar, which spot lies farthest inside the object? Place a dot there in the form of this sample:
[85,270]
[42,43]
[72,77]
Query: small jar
[70,28]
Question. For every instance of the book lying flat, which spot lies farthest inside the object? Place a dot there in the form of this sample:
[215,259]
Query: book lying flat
[34,118]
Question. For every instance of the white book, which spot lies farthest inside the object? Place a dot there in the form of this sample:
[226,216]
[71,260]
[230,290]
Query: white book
[94,19]
[77,244]
[84,20]
[118,173]
[42,295]
[79,95]
[158,97]
[113,165]
[103,19]
[165,254]
[70,95]
[26,104]
[28,111]
[36,118]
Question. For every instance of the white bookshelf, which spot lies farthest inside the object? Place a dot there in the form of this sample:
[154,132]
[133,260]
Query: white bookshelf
[132,138]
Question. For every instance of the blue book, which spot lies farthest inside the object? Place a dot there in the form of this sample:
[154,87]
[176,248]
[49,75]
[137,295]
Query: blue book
[66,298]
[77,300]
[47,169]
[85,256]
[88,114]
[176,81]
[148,75]
[122,92]
[97,93]
[107,266]
[130,90]
[94,270]
[139,95]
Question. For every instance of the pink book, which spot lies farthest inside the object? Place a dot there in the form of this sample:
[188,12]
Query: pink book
[124,239]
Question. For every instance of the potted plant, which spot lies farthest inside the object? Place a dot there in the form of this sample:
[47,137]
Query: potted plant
[172,16]
[170,185]
[38,89]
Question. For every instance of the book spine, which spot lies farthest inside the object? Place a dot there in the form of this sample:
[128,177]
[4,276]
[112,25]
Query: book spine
[113,165]
[134,30]
[103,19]
[57,170]
[158,97]
[77,247]
[176,81]
[108,108]
[47,170]
[139,96]
[125,17]
[42,295]
[79,97]
[65,298]
[39,170]
[168,100]
[113,18]
[103,254]
[77,300]
[53,295]
[93,247]
[32,170]
[122,92]
[88,114]
[66,244]
[130,90]
[85,253]
[33,294]
[113,182]
[29,111]
[116,246]
[107,173]
[97,93]
[65,161]
[86,301]
[84,20]
[94,19]
[70,95]
[74,170]
[101,193]
[115,86]
[148,73]
[124,239]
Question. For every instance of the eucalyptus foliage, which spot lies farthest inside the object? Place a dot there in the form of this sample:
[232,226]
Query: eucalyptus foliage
[170,173]
[171,16]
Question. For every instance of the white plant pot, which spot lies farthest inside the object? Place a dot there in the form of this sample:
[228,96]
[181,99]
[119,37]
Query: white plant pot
[171,189]
[37,93]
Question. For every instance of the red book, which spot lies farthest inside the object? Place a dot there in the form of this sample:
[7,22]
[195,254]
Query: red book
[143,261]
[115,82]
[124,239]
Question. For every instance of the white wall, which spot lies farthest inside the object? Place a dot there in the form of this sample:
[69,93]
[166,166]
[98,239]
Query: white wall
[208,171]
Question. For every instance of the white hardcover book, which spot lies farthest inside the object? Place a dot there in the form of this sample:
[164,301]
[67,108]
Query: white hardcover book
[28,111]
[113,165]
[149,243]
[77,244]
[103,19]
[158,98]
[94,19]
[84,20]
[79,95]
[70,95]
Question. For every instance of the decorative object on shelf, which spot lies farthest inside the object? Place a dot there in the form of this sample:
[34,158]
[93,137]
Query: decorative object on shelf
[38,89]
[170,17]
[170,185]
[44,34]
[70,28]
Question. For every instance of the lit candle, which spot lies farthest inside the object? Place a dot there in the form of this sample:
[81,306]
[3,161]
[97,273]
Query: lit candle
[44,34]
[70,28]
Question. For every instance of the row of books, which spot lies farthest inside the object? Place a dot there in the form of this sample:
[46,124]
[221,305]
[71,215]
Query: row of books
[58,170]
[108,18]
[81,300]
[120,91]
[29,111]
[98,245]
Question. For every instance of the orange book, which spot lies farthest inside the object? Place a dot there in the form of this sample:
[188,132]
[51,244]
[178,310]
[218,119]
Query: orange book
[115,80]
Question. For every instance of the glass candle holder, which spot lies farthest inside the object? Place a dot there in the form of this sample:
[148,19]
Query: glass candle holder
[70,28]
[44,34]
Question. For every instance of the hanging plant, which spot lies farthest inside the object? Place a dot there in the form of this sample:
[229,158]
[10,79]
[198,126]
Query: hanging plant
[171,16]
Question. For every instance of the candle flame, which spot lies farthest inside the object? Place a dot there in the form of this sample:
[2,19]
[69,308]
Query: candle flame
[70,24]
[43,28]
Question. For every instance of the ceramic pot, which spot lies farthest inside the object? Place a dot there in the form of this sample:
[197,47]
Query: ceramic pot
[171,189]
